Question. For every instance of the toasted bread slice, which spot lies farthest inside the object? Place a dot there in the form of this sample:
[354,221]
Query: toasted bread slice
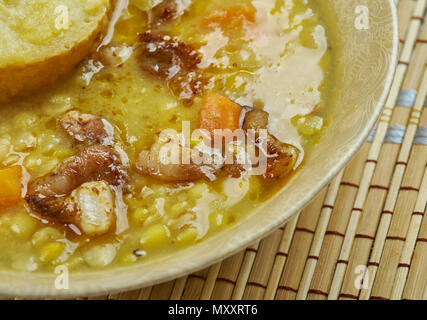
[41,40]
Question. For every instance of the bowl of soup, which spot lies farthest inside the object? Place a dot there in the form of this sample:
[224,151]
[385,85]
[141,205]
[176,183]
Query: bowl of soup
[172,134]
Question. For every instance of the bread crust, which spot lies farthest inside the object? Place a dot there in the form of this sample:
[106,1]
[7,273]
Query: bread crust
[18,80]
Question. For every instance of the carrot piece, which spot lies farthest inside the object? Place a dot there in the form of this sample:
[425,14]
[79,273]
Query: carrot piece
[229,18]
[10,186]
[220,113]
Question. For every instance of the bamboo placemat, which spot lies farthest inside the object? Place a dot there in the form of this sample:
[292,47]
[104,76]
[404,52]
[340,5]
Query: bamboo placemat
[364,236]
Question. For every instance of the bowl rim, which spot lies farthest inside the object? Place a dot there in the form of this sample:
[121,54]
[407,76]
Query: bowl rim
[112,286]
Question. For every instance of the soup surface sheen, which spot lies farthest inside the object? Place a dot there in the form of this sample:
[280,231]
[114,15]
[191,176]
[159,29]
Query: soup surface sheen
[269,55]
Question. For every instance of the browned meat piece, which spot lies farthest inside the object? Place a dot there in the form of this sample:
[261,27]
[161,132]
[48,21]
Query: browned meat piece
[168,10]
[166,58]
[173,62]
[282,159]
[281,156]
[61,195]
[86,128]
[150,163]
[86,189]
[95,163]
[234,170]
[255,120]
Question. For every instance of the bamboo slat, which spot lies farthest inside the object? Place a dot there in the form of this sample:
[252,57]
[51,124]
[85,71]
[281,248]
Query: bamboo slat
[300,247]
[178,288]
[229,273]
[280,259]
[210,281]
[258,278]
